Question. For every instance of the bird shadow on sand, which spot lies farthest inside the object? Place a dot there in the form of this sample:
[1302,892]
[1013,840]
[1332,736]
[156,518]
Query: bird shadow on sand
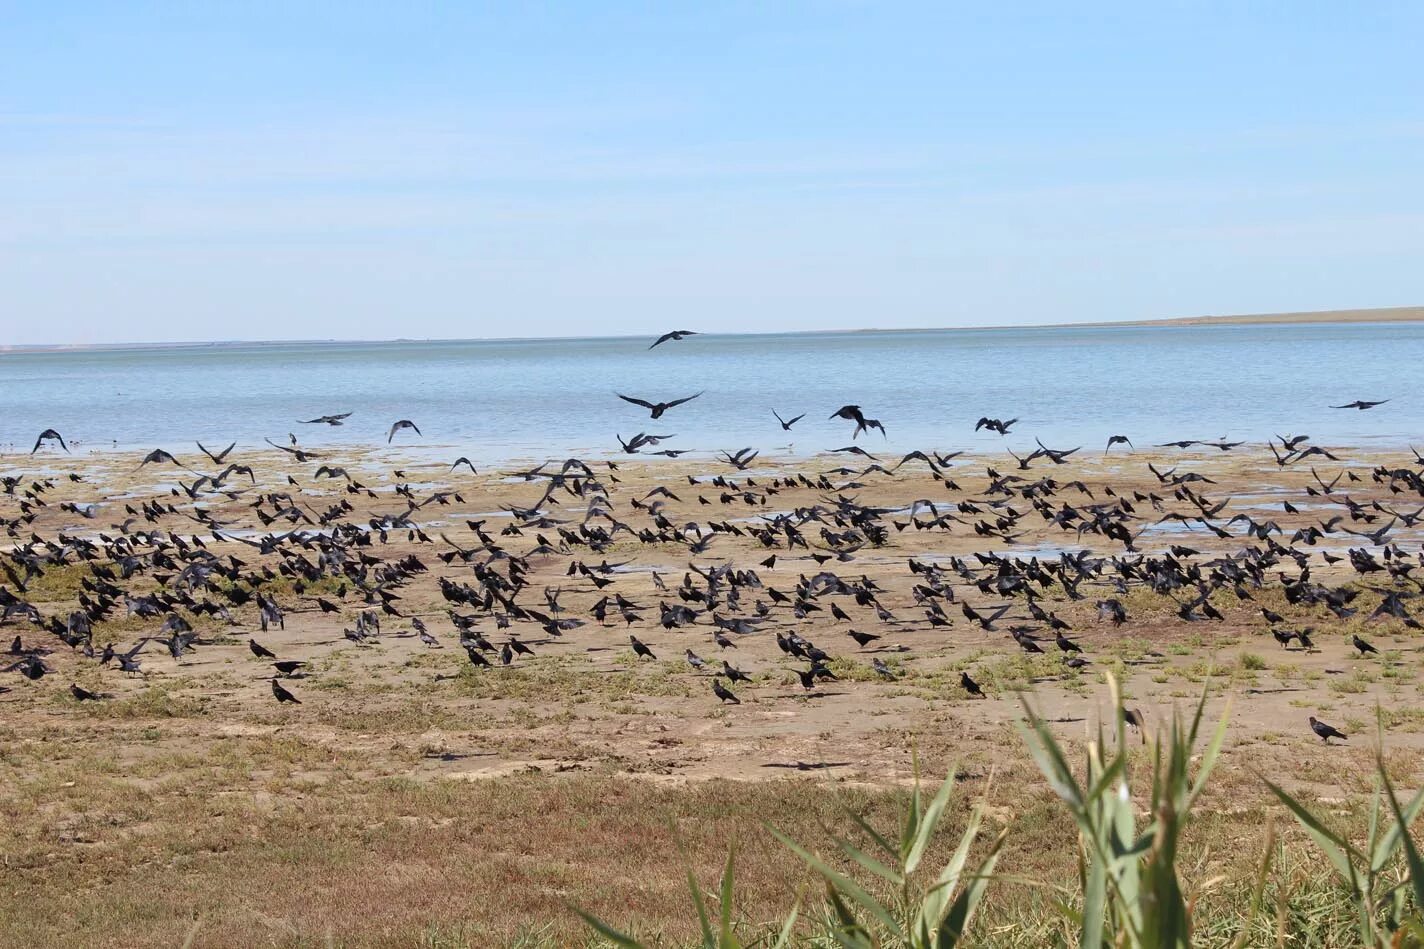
[454,756]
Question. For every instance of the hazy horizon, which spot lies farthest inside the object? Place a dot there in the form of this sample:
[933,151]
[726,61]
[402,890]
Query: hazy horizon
[335,173]
[1379,315]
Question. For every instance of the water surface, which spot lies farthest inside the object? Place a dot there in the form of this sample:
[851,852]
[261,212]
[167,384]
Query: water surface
[504,400]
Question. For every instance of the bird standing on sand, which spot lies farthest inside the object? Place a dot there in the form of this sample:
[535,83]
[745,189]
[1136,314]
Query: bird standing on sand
[723,693]
[1326,732]
[282,695]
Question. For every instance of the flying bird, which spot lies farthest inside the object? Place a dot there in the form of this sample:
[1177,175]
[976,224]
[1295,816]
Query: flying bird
[674,336]
[158,456]
[853,413]
[49,434]
[785,425]
[217,459]
[326,419]
[1001,426]
[656,408]
[1360,404]
[403,423]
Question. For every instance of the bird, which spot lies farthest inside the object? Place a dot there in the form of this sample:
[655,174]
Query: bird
[994,425]
[640,648]
[297,453]
[881,668]
[1117,440]
[656,408]
[403,423]
[694,660]
[159,456]
[970,685]
[1361,405]
[259,650]
[32,667]
[853,413]
[734,674]
[217,459]
[288,666]
[282,695]
[863,639]
[723,693]
[786,425]
[327,420]
[674,336]
[49,434]
[82,694]
[1363,646]
[1326,732]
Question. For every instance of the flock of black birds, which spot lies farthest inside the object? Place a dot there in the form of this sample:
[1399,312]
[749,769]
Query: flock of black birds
[174,560]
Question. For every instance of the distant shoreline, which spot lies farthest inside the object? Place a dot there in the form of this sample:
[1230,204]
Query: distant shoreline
[1399,314]
[1396,314]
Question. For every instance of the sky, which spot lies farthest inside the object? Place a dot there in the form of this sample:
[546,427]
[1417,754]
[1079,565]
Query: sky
[373,171]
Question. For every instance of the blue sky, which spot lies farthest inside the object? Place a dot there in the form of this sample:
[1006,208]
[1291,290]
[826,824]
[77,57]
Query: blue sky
[311,170]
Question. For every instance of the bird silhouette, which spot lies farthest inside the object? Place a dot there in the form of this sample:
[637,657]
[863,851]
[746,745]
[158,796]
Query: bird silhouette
[657,408]
[403,423]
[282,695]
[674,336]
[1326,732]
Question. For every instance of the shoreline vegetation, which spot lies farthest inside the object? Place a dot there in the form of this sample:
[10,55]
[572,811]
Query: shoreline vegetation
[1399,314]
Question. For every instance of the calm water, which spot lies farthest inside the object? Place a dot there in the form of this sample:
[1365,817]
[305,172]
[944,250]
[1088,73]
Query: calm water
[506,400]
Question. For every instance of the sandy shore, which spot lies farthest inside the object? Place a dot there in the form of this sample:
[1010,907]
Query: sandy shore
[396,708]
[1395,314]
[584,700]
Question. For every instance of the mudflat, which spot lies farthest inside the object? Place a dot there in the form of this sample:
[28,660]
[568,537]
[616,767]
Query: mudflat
[461,778]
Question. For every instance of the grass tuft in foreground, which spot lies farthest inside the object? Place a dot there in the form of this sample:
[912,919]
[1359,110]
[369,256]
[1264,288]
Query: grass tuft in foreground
[1132,887]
